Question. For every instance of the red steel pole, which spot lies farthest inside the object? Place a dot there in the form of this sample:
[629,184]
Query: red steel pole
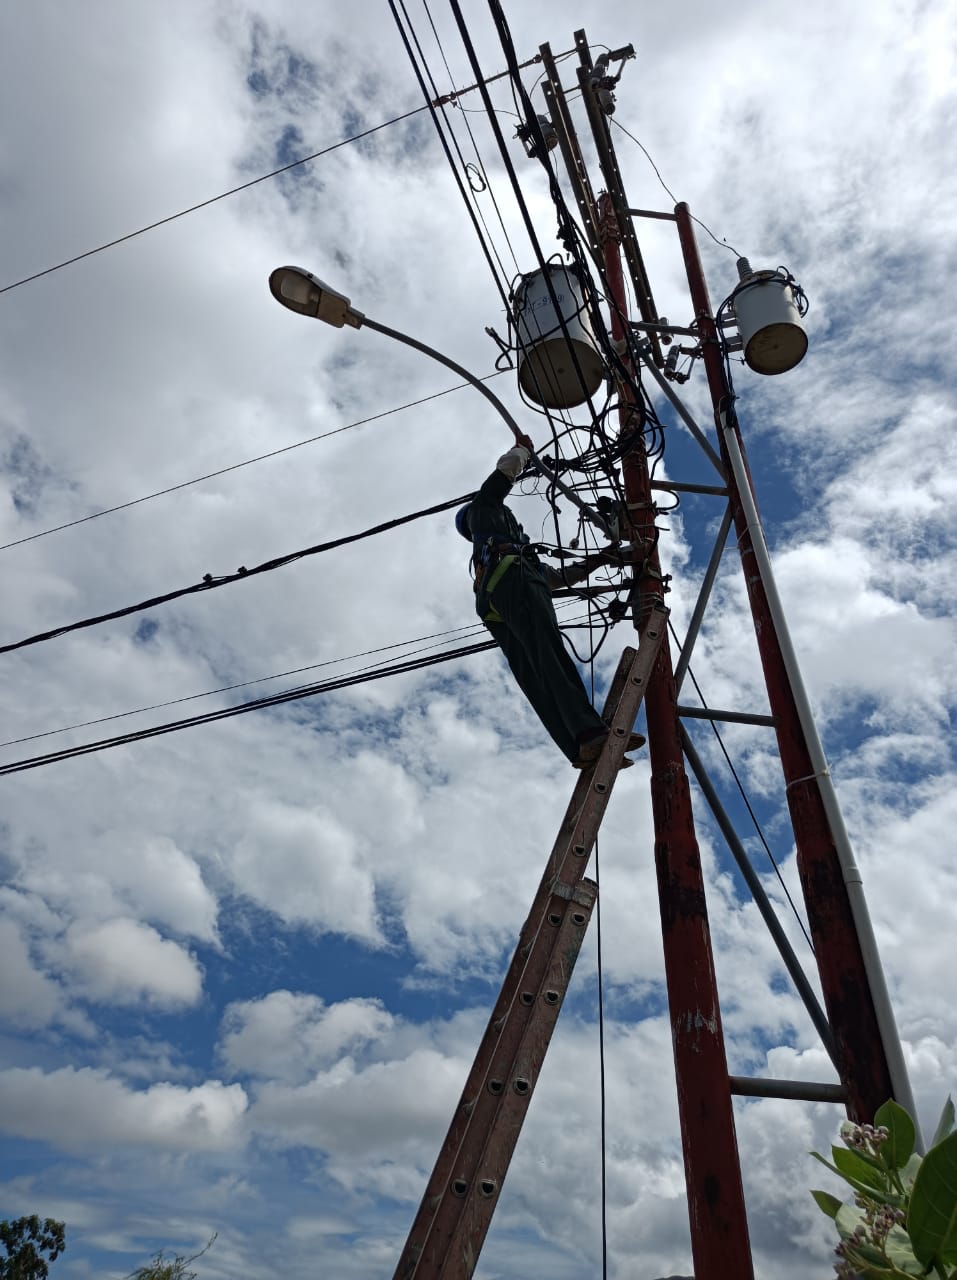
[719,1228]
[847,994]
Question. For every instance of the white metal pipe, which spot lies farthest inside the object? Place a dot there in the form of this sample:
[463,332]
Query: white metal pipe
[886,1022]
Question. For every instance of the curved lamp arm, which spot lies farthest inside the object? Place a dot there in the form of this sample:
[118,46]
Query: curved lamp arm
[300,291]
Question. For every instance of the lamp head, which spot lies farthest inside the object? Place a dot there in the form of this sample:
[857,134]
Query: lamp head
[300,291]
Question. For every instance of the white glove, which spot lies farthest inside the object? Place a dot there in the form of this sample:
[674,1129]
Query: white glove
[513,463]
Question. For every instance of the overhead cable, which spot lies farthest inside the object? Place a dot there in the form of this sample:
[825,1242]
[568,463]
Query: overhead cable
[474,629]
[223,713]
[722,243]
[209,583]
[472,139]
[409,662]
[473,214]
[203,204]
[235,466]
[747,803]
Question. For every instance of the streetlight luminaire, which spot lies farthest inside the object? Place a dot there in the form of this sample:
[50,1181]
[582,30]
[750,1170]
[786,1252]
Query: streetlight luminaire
[300,291]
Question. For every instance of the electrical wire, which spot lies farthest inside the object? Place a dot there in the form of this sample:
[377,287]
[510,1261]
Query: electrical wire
[409,39]
[512,63]
[571,235]
[568,238]
[465,632]
[469,204]
[474,212]
[475,148]
[209,583]
[243,684]
[723,244]
[223,713]
[744,797]
[273,453]
[203,204]
[407,663]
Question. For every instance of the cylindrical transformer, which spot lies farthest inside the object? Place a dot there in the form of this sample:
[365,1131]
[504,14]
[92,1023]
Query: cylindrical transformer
[769,322]
[555,370]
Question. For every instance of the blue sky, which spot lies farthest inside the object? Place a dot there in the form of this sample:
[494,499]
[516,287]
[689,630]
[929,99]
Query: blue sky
[244,968]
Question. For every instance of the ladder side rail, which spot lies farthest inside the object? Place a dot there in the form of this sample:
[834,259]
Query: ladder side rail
[441,1172]
[565,868]
[461,1251]
[444,1245]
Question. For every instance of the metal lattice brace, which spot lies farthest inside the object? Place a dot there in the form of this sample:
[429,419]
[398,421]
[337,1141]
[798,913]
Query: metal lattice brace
[453,1218]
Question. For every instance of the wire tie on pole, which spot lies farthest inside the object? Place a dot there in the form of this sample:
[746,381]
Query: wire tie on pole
[811,777]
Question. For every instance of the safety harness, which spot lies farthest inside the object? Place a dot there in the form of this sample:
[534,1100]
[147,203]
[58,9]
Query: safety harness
[496,557]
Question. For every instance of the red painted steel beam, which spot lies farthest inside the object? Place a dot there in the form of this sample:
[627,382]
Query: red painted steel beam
[719,1229]
[847,994]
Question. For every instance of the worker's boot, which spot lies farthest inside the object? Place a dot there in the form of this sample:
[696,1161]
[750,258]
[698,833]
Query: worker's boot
[593,745]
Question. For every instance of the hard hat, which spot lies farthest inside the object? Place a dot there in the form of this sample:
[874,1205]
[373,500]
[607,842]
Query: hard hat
[462,521]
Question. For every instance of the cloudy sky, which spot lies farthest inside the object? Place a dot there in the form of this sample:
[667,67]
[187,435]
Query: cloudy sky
[245,966]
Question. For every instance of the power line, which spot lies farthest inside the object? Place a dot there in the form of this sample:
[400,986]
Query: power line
[210,475]
[242,684]
[747,803]
[444,141]
[464,632]
[209,583]
[290,695]
[203,204]
[481,163]
[410,662]
[723,243]
[244,186]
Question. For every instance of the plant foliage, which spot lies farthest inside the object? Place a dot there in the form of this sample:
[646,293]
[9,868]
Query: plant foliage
[902,1220]
[162,1268]
[25,1241]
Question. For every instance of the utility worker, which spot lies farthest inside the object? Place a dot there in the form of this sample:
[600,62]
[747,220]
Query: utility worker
[513,598]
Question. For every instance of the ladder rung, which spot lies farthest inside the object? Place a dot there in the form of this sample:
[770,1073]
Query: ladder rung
[792,1090]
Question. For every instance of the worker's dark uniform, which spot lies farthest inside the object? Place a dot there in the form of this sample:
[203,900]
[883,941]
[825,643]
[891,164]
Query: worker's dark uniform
[514,601]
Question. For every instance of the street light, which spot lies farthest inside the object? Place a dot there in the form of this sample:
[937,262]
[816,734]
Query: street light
[307,295]
[300,291]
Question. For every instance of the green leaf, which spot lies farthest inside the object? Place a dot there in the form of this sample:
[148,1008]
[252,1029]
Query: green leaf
[851,1164]
[909,1171]
[827,1203]
[902,1134]
[874,1193]
[932,1214]
[847,1219]
[945,1124]
[898,1250]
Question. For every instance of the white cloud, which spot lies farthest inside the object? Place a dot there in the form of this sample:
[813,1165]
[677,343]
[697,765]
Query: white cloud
[126,962]
[27,996]
[366,859]
[285,1036]
[81,1110]
[304,865]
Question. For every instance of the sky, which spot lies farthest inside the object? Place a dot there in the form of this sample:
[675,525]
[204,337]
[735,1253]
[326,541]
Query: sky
[244,967]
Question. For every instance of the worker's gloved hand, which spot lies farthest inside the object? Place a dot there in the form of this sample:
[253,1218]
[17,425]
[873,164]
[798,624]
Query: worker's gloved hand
[526,443]
[513,463]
